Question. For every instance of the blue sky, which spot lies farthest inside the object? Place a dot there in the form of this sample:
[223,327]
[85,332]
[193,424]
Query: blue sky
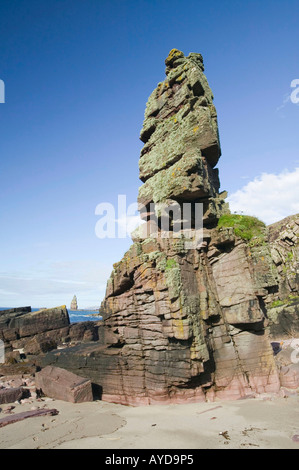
[77,77]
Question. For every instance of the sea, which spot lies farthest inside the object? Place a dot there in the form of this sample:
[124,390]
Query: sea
[83,315]
[75,315]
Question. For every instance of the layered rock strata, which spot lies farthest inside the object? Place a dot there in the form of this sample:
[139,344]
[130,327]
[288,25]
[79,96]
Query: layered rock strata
[283,303]
[20,323]
[185,324]
[181,141]
[40,331]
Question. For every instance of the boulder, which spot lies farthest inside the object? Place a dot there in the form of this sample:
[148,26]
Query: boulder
[61,384]
[40,321]
[10,395]
[36,346]
[289,376]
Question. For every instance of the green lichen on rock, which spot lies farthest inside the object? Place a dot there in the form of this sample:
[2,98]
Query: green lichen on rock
[180,133]
[290,300]
[265,271]
[171,263]
[156,256]
[283,316]
[175,180]
[246,227]
[173,278]
[163,264]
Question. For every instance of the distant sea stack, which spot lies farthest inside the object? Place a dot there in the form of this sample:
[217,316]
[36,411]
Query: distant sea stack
[74,304]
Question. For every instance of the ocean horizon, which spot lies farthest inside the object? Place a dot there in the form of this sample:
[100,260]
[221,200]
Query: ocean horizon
[74,315]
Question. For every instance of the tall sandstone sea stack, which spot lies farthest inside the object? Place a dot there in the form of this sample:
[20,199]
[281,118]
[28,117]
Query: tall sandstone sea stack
[185,324]
[189,323]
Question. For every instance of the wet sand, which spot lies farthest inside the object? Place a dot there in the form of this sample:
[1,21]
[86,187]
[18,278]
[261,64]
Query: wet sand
[257,423]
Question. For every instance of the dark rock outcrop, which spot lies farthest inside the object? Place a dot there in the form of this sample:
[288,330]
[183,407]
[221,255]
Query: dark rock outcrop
[41,331]
[17,324]
[27,414]
[10,395]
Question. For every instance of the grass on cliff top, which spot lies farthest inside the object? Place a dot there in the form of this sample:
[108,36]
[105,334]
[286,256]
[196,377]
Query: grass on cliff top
[171,263]
[245,226]
[291,299]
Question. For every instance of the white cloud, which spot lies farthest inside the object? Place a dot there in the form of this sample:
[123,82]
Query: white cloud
[269,197]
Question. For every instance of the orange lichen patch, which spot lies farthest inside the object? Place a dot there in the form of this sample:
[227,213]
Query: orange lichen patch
[181,328]
[173,54]
[195,129]
[204,314]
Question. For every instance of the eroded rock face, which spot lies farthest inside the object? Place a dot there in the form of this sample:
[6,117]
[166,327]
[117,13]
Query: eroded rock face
[283,303]
[16,324]
[180,325]
[184,324]
[180,133]
[190,324]
[41,331]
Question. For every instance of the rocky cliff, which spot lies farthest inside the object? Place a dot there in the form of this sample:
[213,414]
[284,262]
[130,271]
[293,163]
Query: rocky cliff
[283,305]
[26,334]
[188,322]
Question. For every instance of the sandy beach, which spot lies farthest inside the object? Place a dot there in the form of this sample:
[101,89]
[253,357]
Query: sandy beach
[259,423]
